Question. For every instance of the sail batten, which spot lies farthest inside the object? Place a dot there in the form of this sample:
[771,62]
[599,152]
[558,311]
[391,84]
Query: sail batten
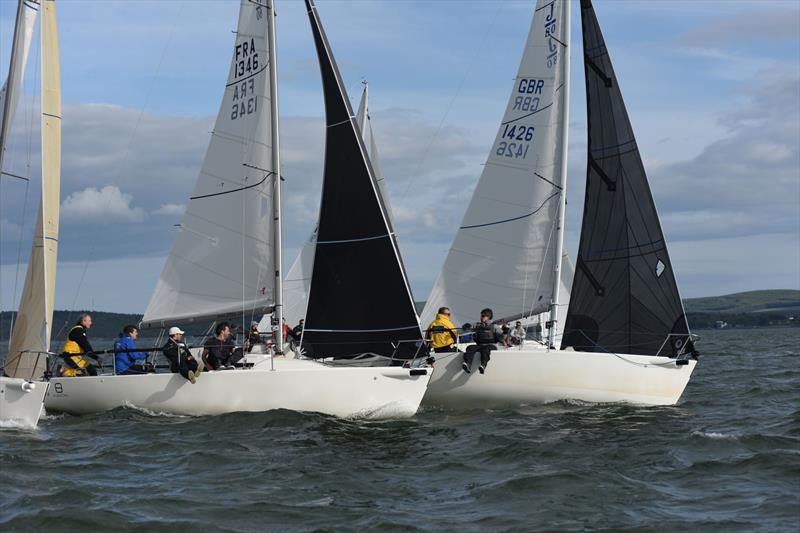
[223,258]
[359,300]
[624,297]
[506,250]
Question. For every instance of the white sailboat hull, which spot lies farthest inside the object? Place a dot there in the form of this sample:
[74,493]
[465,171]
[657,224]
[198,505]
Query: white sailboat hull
[534,375]
[21,402]
[294,384]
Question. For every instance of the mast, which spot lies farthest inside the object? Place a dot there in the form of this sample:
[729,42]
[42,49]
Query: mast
[276,177]
[562,200]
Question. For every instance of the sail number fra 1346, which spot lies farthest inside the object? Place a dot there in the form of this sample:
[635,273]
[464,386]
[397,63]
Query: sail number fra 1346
[245,99]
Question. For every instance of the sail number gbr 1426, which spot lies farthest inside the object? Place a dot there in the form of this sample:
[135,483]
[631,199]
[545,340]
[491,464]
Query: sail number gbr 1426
[518,143]
[246,65]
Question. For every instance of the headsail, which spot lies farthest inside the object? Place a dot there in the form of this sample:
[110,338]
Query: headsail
[504,254]
[359,299]
[9,94]
[624,297]
[33,324]
[221,262]
[298,280]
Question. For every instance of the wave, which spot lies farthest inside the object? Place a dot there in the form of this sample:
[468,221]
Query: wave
[715,435]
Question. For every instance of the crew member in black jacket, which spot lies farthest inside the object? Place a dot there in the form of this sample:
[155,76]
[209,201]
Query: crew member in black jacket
[486,335]
[180,358]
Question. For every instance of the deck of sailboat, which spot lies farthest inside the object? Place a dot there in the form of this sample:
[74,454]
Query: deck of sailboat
[294,384]
[535,374]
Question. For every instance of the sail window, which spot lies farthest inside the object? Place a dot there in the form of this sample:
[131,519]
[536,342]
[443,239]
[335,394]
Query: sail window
[660,268]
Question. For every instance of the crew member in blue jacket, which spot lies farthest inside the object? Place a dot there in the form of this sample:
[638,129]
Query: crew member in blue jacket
[126,361]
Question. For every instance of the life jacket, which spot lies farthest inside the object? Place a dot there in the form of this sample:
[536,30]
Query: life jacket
[441,332]
[72,347]
[485,334]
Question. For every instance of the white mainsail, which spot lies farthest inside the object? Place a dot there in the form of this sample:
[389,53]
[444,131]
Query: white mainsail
[222,259]
[298,280]
[33,324]
[9,94]
[504,254]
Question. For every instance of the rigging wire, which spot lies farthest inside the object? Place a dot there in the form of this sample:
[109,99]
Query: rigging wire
[123,164]
[457,93]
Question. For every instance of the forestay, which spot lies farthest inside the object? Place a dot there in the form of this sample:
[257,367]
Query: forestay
[298,280]
[359,300]
[33,324]
[504,253]
[624,297]
[221,262]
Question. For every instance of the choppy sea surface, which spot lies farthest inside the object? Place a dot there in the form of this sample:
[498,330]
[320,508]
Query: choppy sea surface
[727,458]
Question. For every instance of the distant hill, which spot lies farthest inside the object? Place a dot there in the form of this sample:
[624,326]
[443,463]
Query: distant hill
[772,307]
[769,301]
[105,325]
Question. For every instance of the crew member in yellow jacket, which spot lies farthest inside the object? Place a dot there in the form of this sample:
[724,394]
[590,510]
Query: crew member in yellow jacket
[442,333]
[77,349]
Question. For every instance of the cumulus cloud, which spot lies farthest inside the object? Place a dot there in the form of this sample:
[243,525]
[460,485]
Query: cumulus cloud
[101,204]
[747,182]
[170,209]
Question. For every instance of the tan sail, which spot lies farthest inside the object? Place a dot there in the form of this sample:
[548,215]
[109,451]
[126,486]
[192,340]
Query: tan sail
[35,316]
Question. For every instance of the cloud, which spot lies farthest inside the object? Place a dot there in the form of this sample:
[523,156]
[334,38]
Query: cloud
[170,209]
[764,25]
[101,204]
[747,182]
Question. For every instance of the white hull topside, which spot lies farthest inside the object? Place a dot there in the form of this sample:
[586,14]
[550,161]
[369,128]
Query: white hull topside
[533,374]
[21,402]
[294,384]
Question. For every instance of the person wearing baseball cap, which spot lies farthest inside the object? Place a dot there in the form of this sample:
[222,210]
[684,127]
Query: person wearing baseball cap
[180,358]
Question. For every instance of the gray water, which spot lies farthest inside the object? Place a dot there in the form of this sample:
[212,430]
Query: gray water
[727,458]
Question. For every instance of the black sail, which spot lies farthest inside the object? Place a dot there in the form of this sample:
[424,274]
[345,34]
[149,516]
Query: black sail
[624,296]
[359,299]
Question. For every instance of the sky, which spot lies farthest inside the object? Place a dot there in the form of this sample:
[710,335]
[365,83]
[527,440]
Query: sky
[712,89]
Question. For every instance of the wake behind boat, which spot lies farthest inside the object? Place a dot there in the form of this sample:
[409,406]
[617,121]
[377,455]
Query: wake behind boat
[226,261]
[626,338]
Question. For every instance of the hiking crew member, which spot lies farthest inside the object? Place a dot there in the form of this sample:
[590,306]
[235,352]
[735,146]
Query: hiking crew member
[442,333]
[486,336]
[126,360]
[220,352]
[180,358]
[77,349]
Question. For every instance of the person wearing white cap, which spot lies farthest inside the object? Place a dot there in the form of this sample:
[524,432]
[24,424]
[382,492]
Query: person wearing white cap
[180,358]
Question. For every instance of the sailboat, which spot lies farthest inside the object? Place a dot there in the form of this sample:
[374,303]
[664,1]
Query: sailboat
[298,279]
[626,338]
[226,260]
[23,388]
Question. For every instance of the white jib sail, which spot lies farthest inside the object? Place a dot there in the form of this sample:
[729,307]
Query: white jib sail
[33,325]
[503,255]
[23,35]
[298,280]
[221,262]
